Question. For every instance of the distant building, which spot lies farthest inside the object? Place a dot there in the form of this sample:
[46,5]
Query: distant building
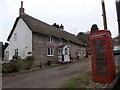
[30,36]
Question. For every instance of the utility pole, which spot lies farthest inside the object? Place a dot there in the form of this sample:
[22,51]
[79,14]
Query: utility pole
[104,15]
[118,38]
[118,14]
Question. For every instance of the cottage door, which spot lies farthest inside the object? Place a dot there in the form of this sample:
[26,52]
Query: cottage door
[66,55]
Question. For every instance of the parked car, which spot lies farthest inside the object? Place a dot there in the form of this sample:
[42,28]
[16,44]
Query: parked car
[116,50]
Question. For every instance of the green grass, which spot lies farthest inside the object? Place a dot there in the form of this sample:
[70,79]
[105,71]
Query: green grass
[81,81]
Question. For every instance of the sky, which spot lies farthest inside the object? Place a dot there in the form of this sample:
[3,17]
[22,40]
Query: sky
[76,15]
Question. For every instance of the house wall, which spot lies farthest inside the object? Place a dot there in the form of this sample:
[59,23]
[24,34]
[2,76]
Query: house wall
[1,53]
[41,43]
[23,41]
[76,50]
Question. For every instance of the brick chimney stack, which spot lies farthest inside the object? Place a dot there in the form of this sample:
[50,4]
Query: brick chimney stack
[62,27]
[21,10]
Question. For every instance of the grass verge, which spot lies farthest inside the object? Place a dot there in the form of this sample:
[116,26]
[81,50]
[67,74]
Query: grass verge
[81,81]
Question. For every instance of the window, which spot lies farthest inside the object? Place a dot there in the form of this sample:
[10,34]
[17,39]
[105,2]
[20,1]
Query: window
[16,51]
[66,51]
[15,36]
[50,52]
[50,39]
[60,52]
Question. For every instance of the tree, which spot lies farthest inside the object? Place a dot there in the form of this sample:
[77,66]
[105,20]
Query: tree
[84,37]
[94,28]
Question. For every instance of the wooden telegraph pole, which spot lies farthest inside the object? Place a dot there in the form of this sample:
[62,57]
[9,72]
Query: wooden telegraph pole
[104,15]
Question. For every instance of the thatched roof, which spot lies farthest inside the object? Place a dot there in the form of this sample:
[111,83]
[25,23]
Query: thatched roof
[38,26]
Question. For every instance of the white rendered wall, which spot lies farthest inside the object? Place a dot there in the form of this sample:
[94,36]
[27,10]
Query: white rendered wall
[23,40]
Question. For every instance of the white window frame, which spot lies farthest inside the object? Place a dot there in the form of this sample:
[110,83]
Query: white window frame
[51,51]
[50,39]
[16,51]
[66,51]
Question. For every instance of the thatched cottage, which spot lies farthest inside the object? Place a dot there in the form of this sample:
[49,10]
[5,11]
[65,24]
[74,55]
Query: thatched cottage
[30,36]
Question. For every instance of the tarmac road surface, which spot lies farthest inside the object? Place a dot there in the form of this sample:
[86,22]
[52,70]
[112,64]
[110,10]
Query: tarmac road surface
[47,78]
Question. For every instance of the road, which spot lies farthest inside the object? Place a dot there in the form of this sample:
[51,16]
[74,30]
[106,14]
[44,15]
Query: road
[47,78]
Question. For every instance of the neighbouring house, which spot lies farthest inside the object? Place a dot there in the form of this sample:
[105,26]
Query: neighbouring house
[30,36]
[116,41]
[1,50]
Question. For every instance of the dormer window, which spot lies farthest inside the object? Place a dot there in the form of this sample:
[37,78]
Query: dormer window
[50,39]
[15,36]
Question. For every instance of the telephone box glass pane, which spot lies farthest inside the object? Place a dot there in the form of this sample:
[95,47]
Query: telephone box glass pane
[100,50]
[101,60]
[99,42]
[100,57]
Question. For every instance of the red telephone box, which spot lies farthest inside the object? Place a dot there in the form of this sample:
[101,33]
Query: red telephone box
[103,64]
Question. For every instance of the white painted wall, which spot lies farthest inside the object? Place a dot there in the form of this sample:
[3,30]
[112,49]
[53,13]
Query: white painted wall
[6,53]
[23,41]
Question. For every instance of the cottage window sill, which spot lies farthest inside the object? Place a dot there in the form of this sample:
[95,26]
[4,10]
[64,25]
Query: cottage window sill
[50,55]
[50,42]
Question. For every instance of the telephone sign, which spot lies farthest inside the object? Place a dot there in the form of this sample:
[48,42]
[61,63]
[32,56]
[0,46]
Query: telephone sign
[102,59]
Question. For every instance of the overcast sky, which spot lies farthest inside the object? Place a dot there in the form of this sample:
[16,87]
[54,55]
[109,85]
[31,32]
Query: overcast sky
[76,15]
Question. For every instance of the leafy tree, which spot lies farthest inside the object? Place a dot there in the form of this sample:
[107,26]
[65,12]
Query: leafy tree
[94,28]
[84,37]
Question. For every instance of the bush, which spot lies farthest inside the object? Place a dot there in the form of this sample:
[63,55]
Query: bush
[16,57]
[29,58]
[49,62]
[5,71]
[16,65]
[40,65]
[12,67]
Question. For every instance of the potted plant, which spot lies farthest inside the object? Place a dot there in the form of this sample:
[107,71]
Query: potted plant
[49,62]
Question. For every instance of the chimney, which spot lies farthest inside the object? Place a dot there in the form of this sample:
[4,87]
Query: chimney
[21,10]
[62,27]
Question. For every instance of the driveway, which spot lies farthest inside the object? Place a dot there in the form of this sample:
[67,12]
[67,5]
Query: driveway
[47,78]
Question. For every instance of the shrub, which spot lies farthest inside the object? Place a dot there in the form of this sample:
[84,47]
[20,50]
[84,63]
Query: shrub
[29,58]
[49,62]
[40,65]
[11,67]
[16,57]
